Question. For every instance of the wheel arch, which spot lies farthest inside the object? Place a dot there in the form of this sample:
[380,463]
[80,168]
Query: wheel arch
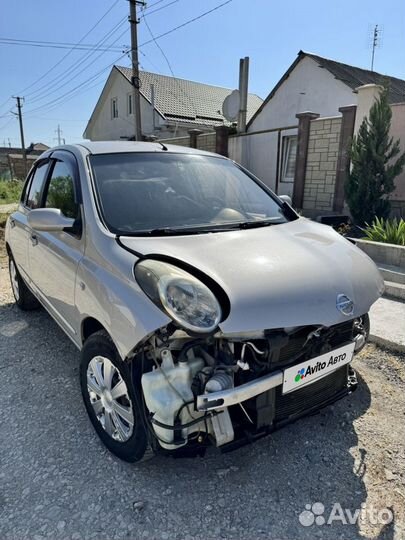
[89,326]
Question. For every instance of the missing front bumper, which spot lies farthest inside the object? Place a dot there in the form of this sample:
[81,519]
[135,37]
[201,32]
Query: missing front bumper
[310,371]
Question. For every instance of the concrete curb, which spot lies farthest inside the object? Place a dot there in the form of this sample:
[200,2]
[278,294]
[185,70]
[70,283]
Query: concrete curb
[387,344]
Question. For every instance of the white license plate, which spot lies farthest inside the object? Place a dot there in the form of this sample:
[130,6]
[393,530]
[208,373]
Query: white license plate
[307,372]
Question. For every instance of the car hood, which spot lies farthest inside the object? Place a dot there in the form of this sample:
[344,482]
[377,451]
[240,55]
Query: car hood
[278,276]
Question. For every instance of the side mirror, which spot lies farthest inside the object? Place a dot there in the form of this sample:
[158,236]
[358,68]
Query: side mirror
[286,198]
[49,219]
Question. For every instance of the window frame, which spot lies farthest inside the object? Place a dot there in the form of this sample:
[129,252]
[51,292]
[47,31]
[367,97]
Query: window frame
[67,158]
[130,104]
[114,108]
[285,154]
[28,184]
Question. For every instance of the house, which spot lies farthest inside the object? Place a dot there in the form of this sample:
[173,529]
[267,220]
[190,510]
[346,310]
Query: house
[170,107]
[311,83]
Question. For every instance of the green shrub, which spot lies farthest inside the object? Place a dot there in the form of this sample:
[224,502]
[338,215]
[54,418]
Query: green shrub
[10,191]
[389,232]
[374,167]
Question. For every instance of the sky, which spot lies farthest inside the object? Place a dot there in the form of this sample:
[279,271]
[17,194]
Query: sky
[64,91]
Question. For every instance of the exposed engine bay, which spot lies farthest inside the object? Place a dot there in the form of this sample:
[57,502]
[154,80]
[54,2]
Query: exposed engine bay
[227,390]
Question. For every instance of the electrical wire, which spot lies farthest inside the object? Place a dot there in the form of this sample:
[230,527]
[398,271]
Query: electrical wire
[73,48]
[91,79]
[55,45]
[191,102]
[186,23]
[74,67]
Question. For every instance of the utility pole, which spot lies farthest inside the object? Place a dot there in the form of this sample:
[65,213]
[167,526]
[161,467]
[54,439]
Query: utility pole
[135,67]
[24,152]
[374,44]
[59,133]
[243,92]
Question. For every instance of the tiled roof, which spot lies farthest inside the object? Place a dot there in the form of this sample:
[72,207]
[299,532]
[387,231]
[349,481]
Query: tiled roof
[355,76]
[350,75]
[188,101]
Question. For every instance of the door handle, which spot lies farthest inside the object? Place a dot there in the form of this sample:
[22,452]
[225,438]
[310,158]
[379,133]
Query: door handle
[34,239]
[12,223]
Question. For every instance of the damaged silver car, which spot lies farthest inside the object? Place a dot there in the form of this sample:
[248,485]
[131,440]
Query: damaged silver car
[207,311]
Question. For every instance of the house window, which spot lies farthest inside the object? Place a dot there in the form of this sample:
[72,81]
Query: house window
[129,104]
[289,157]
[114,108]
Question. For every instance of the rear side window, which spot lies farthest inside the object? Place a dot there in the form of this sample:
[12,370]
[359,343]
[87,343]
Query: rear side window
[37,183]
[61,193]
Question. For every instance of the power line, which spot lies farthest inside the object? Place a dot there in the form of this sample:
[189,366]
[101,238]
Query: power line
[186,23]
[159,9]
[91,79]
[55,45]
[169,65]
[52,88]
[69,52]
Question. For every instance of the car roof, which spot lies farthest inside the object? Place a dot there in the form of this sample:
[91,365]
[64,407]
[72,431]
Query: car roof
[110,147]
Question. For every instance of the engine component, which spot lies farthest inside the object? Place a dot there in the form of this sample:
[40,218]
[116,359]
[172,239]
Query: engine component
[167,389]
[219,381]
[223,428]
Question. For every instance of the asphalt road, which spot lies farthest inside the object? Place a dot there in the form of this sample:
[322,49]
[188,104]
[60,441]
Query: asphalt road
[58,481]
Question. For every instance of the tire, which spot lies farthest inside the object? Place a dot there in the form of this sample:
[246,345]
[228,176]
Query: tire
[113,399]
[22,295]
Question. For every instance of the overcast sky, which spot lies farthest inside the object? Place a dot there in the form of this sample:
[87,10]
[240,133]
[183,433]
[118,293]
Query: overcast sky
[208,50]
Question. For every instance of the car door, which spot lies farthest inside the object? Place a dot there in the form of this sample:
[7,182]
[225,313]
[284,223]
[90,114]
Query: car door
[54,256]
[20,231]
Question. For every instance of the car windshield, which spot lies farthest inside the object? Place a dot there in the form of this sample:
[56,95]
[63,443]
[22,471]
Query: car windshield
[168,193]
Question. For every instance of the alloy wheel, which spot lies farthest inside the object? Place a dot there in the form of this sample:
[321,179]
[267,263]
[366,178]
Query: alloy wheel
[110,398]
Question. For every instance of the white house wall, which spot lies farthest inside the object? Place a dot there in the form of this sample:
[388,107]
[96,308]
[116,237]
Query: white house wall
[307,88]
[104,127]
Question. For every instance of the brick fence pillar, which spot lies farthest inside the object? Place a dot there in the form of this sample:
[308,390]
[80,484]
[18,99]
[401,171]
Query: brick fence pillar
[343,161]
[193,137]
[221,140]
[304,124]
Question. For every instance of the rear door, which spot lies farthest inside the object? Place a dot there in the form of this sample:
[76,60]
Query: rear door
[54,256]
[20,231]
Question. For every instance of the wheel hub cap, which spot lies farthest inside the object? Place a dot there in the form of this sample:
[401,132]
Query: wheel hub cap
[110,398]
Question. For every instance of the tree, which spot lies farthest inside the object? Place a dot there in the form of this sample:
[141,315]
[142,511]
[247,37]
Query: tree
[374,168]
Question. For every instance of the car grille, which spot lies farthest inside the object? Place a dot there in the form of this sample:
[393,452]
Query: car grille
[287,355]
[310,396]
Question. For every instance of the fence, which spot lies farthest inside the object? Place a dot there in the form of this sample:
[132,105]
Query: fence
[201,141]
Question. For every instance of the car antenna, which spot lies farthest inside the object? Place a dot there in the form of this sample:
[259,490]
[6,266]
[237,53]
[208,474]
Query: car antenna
[162,145]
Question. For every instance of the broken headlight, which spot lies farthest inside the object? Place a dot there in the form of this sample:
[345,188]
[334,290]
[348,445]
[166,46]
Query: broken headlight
[187,300]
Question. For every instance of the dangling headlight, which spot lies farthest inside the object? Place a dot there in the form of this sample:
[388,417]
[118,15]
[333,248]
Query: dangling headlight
[185,298]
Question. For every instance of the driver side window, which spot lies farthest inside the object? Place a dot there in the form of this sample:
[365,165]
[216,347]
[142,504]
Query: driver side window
[61,193]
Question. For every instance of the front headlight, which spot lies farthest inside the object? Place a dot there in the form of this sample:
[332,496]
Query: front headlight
[185,298]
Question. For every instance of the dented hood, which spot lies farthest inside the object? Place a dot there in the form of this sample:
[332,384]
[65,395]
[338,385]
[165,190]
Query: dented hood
[278,276]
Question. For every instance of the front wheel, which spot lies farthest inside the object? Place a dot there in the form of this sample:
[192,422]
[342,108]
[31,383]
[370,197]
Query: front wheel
[111,398]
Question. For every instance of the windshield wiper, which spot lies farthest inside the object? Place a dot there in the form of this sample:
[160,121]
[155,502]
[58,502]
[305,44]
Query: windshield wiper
[202,229]
[256,224]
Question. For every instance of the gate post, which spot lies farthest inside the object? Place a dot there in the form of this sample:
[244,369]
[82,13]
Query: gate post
[343,161]
[304,124]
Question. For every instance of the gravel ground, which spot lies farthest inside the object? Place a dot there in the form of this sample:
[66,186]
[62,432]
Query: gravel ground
[57,480]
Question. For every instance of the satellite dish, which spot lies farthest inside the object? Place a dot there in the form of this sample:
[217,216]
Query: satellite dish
[231,106]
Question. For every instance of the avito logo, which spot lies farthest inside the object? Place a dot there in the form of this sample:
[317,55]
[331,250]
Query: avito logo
[319,366]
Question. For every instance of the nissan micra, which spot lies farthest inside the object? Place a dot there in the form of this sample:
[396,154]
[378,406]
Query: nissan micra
[206,310]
